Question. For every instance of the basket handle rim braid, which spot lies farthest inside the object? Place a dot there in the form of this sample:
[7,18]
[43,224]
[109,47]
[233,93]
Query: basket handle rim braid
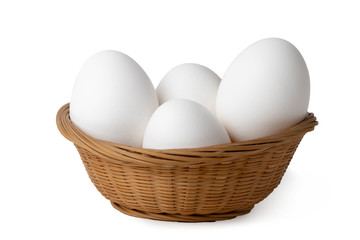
[115,152]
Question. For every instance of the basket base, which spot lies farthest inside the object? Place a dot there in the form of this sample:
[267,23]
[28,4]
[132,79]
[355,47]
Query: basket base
[180,218]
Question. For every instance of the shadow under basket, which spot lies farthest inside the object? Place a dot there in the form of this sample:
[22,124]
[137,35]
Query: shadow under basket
[186,185]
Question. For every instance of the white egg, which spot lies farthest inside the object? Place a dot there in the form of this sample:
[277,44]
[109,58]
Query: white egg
[182,123]
[190,81]
[265,90]
[113,99]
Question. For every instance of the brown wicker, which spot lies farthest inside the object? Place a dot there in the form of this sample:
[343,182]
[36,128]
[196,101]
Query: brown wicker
[189,185]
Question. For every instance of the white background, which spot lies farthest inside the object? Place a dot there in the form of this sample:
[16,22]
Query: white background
[45,192]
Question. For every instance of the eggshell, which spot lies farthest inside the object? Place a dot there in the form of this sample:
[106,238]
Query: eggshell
[190,81]
[182,123]
[265,90]
[113,99]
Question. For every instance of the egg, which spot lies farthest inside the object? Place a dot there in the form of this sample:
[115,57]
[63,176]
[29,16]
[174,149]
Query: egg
[190,81]
[182,123]
[265,90]
[113,99]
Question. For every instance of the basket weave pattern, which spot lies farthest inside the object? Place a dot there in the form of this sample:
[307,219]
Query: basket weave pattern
[200,184]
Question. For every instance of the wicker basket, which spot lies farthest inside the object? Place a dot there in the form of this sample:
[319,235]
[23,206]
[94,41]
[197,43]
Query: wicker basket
[188,185]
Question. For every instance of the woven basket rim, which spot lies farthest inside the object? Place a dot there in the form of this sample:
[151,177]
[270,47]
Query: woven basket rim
[118,152]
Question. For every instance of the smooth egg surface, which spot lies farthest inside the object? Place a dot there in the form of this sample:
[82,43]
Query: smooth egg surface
[190,81]
[265,90]
[113,99]
[182,123]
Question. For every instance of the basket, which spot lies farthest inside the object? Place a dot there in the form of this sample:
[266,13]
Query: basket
[187,185]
